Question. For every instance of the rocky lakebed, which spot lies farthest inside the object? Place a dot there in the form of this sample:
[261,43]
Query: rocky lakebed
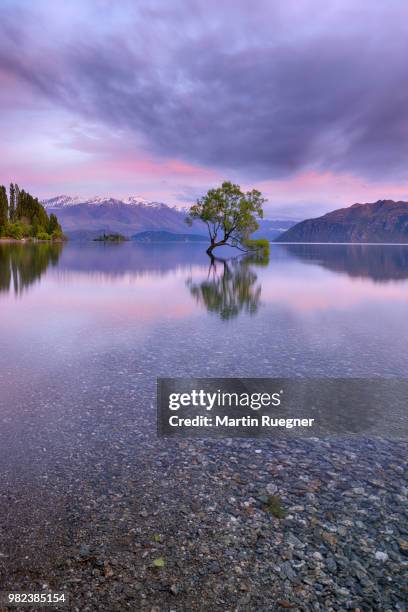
[181,525]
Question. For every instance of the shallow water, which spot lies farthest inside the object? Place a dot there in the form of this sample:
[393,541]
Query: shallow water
[85,330]
[313,310]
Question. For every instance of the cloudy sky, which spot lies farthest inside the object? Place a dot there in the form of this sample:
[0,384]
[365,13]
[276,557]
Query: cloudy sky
[305,99]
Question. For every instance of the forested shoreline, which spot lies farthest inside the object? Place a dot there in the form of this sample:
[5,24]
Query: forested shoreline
[23,217]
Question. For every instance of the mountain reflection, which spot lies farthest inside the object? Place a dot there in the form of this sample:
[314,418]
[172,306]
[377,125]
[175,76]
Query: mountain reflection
[23,264]
[230,288]
[377,262]
[110,260]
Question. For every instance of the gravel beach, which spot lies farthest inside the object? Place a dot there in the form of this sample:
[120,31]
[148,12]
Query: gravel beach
[212,525]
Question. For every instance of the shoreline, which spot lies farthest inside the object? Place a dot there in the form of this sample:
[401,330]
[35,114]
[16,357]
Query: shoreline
[29,241]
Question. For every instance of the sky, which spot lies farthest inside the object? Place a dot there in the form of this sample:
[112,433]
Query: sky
[306,100]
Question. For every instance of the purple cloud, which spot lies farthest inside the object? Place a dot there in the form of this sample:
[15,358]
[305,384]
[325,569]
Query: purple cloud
[266,90]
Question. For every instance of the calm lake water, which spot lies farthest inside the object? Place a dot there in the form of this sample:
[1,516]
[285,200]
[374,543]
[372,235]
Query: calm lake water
[70,313]
[85,330]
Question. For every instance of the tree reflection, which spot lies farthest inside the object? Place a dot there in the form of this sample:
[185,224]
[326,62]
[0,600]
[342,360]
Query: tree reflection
[231,286]
[23,264]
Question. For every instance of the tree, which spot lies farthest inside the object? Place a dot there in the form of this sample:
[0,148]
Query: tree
[30,211]
[12,208]
[3,208]
[26,217]
[35,225]
[16,198]
[229,214]
[54,227]
[53,224]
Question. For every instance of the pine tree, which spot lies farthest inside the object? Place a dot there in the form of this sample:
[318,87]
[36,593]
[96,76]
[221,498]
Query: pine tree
[3,209]
[16,200]
[54,226]
[26,215]
[35,226]
[12,207]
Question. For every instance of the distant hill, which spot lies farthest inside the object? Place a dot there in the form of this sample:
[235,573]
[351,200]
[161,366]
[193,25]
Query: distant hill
[384,221]
[86,219]
[271,228]
[163,236]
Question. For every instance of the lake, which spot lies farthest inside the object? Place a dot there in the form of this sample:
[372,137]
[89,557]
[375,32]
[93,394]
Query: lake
[314,310]
[85,330]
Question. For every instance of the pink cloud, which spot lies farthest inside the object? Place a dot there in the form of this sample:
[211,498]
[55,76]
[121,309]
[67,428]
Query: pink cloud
[313,193]
[77,157]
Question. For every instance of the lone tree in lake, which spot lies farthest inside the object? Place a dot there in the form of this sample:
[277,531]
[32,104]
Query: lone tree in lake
[229,214]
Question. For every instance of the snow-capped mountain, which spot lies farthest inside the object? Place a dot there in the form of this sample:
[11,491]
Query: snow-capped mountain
[63,201]
[125,215]
[139,201]
[92,216]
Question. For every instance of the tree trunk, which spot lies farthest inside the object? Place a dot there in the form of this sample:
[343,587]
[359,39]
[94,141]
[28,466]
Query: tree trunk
[213,245]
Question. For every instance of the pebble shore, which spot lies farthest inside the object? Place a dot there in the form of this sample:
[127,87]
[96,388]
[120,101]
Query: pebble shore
[227,525]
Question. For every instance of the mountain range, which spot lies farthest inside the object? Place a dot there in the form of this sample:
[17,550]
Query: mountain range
[384,221]
[87,218]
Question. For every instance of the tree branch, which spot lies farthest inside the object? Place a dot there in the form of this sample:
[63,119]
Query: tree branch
[235,246]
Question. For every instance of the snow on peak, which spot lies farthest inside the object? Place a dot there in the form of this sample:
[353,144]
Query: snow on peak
[134,200]
[63,201]
[139,201]
[180,208]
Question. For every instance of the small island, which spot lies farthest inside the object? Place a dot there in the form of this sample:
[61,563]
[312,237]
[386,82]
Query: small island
[22,217]
[111,238]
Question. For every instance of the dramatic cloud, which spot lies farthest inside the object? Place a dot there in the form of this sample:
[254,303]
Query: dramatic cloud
[259,91]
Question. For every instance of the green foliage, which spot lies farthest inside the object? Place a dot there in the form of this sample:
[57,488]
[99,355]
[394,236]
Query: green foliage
[53,225]
[13,230]
[157,537]
[43,236]
[3,206]
[58,235]
[16,230]
[28,208]
[229,214]
[12,207]
[35,227]
[159,563]
[260,244]
[25,217]
[274,506]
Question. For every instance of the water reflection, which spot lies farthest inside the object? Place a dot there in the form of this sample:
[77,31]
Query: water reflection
[231,286]
[23,264]
[163,310]
[138,259]
[377,262]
